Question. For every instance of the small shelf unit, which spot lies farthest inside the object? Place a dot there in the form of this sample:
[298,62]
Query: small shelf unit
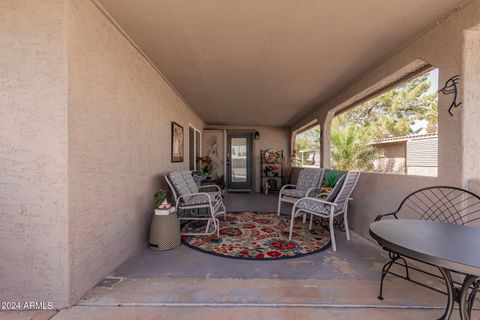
[271,172]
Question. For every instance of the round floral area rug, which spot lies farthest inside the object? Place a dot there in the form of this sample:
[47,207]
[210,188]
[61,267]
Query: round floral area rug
[258,236]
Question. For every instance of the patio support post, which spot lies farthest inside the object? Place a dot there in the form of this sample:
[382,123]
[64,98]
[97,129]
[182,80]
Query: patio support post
[326,120]
[470,83]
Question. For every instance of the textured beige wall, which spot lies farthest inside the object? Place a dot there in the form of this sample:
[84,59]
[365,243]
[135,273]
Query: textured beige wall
[270,138]
[378,193]
[442,47]
[33,152]
[120,112]
[471,107]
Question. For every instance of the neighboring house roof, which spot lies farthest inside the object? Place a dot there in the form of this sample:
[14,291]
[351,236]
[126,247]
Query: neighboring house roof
[405,138]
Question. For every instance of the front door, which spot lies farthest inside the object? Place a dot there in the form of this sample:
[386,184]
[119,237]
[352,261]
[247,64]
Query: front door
[240,161]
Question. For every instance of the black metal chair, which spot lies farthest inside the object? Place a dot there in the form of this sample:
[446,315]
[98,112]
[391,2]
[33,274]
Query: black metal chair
[438,203]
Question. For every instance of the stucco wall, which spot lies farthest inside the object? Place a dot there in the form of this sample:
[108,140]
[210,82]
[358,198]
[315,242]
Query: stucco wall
[471,107]
[378,193]
[33,153]
[442,47]
[120,113]
[276,138]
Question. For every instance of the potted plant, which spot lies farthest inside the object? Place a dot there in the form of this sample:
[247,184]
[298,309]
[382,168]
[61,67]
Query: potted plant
[205,169]
[160,199]
[330,180]
[199,175]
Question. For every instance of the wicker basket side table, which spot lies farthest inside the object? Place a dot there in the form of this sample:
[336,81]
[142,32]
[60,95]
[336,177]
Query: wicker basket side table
[164,232]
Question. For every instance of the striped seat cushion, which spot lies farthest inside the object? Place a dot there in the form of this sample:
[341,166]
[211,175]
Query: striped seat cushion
[200,199]
[312,205]
[295,193]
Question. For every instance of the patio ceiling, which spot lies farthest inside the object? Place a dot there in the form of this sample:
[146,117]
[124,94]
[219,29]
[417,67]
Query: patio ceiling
[269,62]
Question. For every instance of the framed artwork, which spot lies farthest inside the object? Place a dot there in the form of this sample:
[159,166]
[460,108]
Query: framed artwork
[177,142]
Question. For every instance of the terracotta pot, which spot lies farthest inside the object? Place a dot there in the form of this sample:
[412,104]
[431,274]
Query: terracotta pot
[325,190]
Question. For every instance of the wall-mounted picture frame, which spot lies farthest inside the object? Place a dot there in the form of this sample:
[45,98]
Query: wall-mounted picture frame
[178,142]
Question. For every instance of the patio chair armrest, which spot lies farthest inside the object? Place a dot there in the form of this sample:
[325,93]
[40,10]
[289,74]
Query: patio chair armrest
[331,204]
[194,194]
[310,190]
[287,186]
[210,186]
[315,200]
[383,215]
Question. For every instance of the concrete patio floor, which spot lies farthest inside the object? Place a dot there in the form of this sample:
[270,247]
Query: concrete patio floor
[186,284]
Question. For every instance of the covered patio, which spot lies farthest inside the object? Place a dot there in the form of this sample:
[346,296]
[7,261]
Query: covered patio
[195,285]
[102,99]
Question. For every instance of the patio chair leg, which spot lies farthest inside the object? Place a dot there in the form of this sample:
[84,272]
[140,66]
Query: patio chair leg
[471,297]
[311,222]
[304,218]
[208,225]
[218,228]
[406,266]
[224,212]
[345,222]
[385,269]
[332,234]
[291,226]
[279,205]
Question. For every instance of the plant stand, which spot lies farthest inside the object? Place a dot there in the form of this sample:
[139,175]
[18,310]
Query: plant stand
[164,232]
[274,178]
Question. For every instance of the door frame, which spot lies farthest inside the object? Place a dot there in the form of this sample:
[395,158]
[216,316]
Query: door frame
[249,185]
[195,161]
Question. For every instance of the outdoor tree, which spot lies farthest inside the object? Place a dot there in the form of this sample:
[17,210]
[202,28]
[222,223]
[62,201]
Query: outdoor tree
[349,150]
[391,114]
[308,140]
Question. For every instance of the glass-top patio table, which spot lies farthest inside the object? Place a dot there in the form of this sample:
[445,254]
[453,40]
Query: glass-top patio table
[450,247]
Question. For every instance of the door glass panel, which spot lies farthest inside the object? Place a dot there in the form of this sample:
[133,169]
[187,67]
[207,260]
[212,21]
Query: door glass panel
[239,158]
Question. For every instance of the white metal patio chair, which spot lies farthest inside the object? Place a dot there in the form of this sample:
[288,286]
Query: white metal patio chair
[334,205]
[189,201]
[308,184]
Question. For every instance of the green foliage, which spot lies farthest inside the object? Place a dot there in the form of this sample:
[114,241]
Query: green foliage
[351,150]
[331,178]
[308,140]
[159,197]
[391,114]
[202,171]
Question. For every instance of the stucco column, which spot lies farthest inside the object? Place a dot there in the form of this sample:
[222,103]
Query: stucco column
[33,154]
[326,121]
[471,105]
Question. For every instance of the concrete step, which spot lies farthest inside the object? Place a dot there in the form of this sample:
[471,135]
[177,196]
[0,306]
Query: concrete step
[223,292]
[242,313]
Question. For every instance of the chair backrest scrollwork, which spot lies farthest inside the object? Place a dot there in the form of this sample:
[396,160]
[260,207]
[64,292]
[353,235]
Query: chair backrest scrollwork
[441,203]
